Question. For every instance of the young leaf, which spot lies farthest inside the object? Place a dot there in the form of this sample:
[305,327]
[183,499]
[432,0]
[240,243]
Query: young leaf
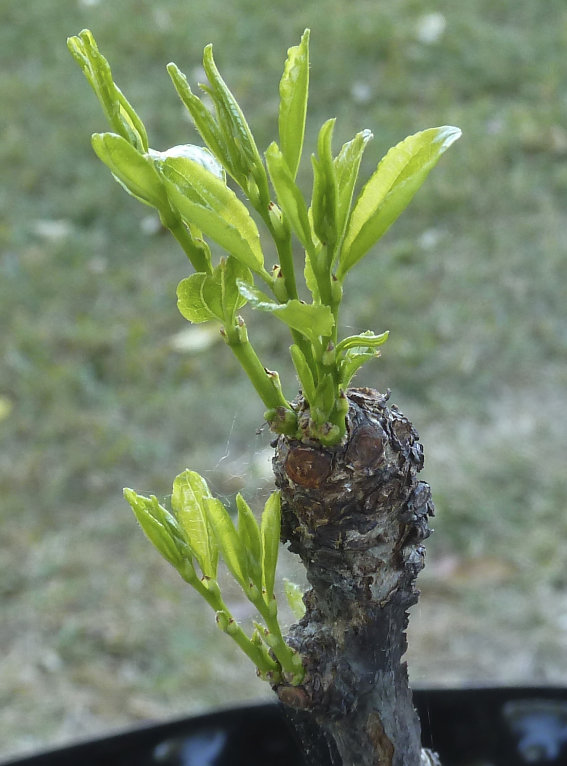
[294,88]
[119,112]
[249,533]
[270,530]
[367,340]
[303,373]
[325,192]
[197,154]
[290,198]
[134,171]
[203,119]
[390,189]
[324,400]
[310,319]
[347,164]
[190,300]
[228,541]
[202,297]
[189,498]
[147,511]
[231,272]
[234,128]
[352,362]
[294,596]
[204,200]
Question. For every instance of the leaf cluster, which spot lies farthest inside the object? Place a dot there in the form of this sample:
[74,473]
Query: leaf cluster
[196,533]
[188,187]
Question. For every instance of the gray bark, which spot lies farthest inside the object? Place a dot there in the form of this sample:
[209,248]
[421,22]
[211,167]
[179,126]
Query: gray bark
[357,516]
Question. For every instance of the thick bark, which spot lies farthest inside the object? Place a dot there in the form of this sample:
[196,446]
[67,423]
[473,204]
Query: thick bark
[357,516]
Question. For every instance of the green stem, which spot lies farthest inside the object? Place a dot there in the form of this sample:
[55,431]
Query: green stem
[211,593]
[288,659]
[237,339]
[198,259]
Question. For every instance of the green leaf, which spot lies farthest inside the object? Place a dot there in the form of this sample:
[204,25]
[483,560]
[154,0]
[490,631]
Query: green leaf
[347,165]
[229,541]
[352,362]
[390,189]
[189,498]
[197,154]
[294,596]
[270,531]
[324,401]
[234,128]
[249,533]
[366,340]
[294,88]
[118,110]
[204,200]
[190,300]
[311,279]
[325,191]
[312,320]
[134,171]
[232,271]
[202,297]
[303,373]
[151,517]
[290,198]
[203,119]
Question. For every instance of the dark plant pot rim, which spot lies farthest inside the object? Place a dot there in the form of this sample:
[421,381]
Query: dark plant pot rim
[493,726]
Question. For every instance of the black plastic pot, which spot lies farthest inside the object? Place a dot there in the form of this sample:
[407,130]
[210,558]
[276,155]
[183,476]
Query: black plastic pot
[467,727]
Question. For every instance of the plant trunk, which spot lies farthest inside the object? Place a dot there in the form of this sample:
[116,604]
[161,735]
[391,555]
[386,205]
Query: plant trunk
[357,516]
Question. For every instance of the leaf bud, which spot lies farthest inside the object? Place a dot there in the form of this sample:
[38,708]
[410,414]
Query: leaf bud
[253,594]
[278,284]
[276,219]
[336,290]
[223,620]
[328,356]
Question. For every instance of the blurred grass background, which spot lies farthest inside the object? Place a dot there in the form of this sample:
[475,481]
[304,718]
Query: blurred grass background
[103,384]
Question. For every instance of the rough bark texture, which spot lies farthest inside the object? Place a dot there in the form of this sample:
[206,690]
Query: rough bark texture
[357,516]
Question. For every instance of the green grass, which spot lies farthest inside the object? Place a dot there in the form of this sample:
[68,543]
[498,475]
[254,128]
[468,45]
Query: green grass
[94,395]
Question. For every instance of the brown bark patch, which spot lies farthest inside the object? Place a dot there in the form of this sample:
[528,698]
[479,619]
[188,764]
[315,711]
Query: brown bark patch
[307,467]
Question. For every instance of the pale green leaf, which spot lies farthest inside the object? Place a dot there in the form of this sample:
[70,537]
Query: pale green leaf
[390,189]
[228,541]
[312,320]
[324,400]
[234,128]
[190,301]
[249,533]
[119,112]
[352,362]
[148,511]
[303,373]
[294,596]
[231,272]
[294,88]
[347,164]
[204,200]
[270,530]
[189,498]
[290,198]
[134,171]
[325,192]
[203,119]
[366,340]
